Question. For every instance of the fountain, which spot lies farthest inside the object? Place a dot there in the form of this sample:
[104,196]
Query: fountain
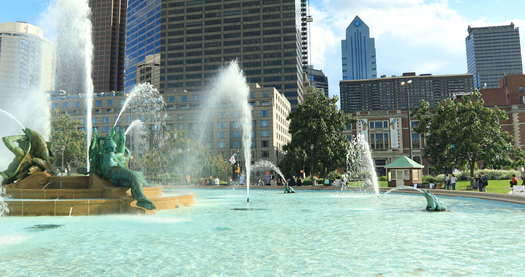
[360,165]
[30,179]
[69,21]
[264,164]
[433,203]
[229,92]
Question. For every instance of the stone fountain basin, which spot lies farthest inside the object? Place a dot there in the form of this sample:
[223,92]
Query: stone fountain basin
[44,195]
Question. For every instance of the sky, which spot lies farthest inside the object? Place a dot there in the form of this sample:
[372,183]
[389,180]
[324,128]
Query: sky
[422,36]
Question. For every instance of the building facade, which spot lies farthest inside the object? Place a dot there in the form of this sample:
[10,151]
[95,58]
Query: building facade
[149,71]
[401,93]
[109,24]
[267,38]
[493,52]
[270,110]
[510,97]
[358,52]
[389,136]
[26,59]
[142,36]
[318,80]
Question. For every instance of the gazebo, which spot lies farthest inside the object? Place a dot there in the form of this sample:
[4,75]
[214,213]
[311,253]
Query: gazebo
[404,172]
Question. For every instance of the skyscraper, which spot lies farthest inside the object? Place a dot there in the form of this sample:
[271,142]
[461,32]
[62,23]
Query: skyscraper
[109,24]
[266,37]
[493,52]
[358,52]
[318,79]
[142,36]
[26,59]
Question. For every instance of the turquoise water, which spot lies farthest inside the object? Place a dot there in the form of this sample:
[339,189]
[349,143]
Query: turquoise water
[302,234]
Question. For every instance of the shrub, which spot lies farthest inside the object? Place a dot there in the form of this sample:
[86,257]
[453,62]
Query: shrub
[382,178]
[332,175]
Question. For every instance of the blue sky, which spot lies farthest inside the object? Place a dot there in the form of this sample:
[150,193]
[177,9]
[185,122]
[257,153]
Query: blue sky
[426,36]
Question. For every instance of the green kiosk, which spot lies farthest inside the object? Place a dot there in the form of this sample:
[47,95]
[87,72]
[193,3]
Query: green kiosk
[404,172]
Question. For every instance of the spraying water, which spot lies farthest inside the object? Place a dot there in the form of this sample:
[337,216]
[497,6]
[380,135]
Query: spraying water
[360,165]
[71,24]
[136,123]
[263,164]
[229,92]
[13,118]
[144,94]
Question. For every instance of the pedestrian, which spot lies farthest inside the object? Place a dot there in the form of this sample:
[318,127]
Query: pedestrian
[453,182]
[447,181]
[483,182]
[522,176]
[513,181]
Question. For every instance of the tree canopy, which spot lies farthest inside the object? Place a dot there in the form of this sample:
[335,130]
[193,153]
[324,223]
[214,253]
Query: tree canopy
[318,144]
[460,133]
[67,142]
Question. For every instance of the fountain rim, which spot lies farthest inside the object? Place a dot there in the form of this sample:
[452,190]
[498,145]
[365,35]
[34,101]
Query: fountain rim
[438,192]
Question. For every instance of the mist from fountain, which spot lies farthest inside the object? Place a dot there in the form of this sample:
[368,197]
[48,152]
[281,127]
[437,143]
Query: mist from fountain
[3,205]
[360,165]
[69,22]
[229,93]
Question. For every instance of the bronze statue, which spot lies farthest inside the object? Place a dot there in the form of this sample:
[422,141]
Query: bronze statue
[31,154]
[109,158]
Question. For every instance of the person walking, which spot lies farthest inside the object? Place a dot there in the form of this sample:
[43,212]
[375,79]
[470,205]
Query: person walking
[453,182]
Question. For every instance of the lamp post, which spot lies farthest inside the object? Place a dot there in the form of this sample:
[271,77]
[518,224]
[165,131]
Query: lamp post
[407,91]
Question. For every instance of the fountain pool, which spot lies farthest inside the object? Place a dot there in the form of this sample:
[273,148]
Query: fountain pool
[310,234]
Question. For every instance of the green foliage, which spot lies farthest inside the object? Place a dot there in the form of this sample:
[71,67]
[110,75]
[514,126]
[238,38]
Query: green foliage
[334,174]
[460,133]
[383,178]
[317,145]
[67,141]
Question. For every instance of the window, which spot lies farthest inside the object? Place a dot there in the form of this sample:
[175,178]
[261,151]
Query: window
[184,98]
[220,144]
[236,134]
[264,143]
[236,144]
[264,123]
[379,141]
[263,113]
[416,140]
[382,124]
[265,154]
[221,134]
[265,133]
[98,103]
[221,125]
[171,99]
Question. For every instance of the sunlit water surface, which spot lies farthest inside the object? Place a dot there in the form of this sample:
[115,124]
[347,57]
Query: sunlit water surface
[302,234]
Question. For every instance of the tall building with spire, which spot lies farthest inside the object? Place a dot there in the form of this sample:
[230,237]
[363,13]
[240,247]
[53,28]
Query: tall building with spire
[358,52]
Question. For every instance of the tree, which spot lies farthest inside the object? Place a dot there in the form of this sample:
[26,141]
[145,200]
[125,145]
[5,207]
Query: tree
[463,132]
[68,143]
[318,144]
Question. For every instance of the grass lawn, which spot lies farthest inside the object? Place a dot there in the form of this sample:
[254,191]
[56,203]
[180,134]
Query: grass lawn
[495,186]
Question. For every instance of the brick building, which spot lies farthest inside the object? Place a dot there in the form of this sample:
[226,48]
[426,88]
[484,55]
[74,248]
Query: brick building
[510,97]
